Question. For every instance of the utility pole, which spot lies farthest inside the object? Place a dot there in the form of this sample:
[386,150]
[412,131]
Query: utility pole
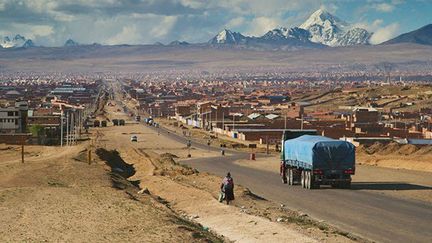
[223,121]
[72,124]
[67,128]
[89,157]
[233,122]
[79,122]
[210,125]
[61,129]
[267,145]
[301,126]
[22,150]
[216,116]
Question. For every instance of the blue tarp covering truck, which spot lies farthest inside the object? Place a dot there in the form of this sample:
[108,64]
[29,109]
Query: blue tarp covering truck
[313,160]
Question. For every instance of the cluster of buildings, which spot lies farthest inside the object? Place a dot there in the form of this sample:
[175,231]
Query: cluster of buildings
[261,111]
[42,112]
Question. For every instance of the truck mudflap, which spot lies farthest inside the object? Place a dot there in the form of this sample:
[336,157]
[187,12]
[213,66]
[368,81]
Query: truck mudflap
[334,182]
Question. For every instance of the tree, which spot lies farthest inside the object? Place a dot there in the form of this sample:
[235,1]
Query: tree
[37,131]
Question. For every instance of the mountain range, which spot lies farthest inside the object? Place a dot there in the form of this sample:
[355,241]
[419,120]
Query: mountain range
[321,29]
[15,42]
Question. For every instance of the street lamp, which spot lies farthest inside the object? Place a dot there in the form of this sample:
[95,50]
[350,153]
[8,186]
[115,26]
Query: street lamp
[189,144]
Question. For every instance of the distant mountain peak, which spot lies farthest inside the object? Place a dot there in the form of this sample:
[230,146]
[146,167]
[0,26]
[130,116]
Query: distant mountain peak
[19,37]
[178,43]
[327,29]
[71,42]
[16,42]
[228,37]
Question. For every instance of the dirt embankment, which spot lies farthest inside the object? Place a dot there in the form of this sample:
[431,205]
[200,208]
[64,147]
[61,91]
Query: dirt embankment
[394,155]
[120,177]
[57,196]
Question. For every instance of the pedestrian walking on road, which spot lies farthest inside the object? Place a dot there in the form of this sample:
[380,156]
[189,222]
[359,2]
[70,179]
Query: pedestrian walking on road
[227,189]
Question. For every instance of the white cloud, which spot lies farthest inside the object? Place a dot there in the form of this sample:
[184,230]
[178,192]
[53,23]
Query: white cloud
[384,7]
[385,33]
[128,35]
[380,32]
[261,25]
[164,27]
[42,30]
[236,22]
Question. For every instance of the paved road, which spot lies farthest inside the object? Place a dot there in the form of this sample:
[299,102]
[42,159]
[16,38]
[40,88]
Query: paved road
[371,215]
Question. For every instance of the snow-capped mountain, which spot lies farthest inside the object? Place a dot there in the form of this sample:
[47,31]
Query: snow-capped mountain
[228,37]
[356,36]
[321,28]
[284,33]
[329,30]
[71,42]
[15,42]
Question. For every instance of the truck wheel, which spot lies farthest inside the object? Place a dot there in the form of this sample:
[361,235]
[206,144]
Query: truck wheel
[291,177]
[287,176]
[308,180]
[313,183]
[303,179]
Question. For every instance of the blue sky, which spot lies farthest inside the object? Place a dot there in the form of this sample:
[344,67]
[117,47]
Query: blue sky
[51,22]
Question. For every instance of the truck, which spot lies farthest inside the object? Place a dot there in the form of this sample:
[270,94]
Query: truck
[137,118]
[312,161]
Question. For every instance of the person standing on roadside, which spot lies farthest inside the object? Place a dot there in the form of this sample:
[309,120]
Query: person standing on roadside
[227,189]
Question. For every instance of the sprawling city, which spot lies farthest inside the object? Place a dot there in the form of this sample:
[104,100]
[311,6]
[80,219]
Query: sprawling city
[320,131]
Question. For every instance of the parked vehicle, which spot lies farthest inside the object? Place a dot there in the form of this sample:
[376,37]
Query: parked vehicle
[134,138]
[137,118]
[121,122]
[149,121]
[115,122]
[103,123]
[316,160]
[96,123]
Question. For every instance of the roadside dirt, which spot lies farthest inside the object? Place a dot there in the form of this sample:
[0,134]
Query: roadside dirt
[58,197]
[397,156]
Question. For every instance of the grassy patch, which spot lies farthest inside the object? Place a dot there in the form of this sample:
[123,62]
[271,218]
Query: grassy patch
[56,183]
[197,231]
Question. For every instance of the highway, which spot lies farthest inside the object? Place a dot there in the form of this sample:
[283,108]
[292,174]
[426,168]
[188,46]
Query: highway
[370,215]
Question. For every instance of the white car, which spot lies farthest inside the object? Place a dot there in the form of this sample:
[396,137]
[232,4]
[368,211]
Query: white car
[134,138]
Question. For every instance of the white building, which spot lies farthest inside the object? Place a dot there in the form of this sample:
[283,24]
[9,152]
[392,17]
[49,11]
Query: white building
[14,119]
